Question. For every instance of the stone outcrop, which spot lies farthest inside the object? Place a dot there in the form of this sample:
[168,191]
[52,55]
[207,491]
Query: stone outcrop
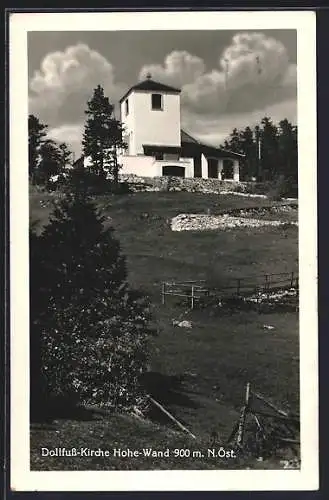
[203,222]
[191,185]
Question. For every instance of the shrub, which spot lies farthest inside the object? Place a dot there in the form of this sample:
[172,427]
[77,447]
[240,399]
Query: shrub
[89,331]
[282,188]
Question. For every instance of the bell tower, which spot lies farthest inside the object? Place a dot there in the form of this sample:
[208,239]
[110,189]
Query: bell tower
[150,113]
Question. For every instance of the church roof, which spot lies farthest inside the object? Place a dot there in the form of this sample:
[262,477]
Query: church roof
[152,86]
[185,137]
[191,144]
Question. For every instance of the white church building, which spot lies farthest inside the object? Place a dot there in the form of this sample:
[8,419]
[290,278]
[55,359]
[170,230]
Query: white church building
[156,143]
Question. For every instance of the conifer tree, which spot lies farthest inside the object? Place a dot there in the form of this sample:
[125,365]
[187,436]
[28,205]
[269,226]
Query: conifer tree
[50,162]
[102,136]
[94,329]
[37,132]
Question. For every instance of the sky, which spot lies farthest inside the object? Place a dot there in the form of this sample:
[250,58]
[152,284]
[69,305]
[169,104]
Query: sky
[227,78]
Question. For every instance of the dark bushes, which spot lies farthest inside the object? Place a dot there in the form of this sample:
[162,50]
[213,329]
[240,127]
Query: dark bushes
[89,330]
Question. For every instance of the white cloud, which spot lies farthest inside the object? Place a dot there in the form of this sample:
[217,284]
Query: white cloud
[252,71]
[179,68]
[214,130]
[59,90]
[254,58]
[71,134]
[253,75]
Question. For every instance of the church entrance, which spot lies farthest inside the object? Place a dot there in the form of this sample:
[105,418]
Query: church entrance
[173,170]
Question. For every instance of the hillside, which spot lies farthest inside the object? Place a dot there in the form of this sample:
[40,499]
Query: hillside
[200,373]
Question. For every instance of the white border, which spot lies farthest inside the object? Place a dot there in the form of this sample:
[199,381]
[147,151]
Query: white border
[22,479]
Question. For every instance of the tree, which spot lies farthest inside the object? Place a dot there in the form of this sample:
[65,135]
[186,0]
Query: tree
[65,156]
[269,149]
[102,136]
[37,133]
[249,149]
[288,149]
[94,329]
[50,162]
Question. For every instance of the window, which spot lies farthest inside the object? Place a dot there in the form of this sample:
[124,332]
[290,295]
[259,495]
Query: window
[157,101]
[173,170]
[127,107]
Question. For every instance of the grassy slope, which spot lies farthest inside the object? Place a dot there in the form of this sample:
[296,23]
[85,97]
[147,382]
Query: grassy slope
[213,360]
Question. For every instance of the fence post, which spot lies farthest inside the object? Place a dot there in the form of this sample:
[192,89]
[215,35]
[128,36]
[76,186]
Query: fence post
[292,280]
[192,297]
[243,415]
[163,293]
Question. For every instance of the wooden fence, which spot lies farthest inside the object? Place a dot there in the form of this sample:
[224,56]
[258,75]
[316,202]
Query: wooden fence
[289,423]
[194,291]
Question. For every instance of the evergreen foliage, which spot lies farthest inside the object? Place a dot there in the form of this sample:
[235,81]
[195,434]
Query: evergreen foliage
[37,132]
[271,153]
[102,136]
[47,158]
[89,331]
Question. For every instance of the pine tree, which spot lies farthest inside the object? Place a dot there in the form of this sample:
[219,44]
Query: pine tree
[269,151]
[50,162]
[65,156]
[288,150]
[37,133]
[94,330]
[102,136]
[249,149]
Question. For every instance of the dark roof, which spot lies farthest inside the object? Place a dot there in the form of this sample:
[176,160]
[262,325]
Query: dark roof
[209,151]
[150,149]
[185,137]
[151,85]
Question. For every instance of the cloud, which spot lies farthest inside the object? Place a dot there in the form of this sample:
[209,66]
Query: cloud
[179,68]
[70,134]
[254,58]
[215,129]
[252,71]
[59,90]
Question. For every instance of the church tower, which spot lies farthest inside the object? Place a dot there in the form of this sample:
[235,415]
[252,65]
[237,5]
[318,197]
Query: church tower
[150,113]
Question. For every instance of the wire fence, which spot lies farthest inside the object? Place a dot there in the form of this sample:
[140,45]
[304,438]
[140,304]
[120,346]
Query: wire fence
[195,290]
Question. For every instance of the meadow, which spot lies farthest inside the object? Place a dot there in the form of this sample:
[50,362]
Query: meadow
[199,374]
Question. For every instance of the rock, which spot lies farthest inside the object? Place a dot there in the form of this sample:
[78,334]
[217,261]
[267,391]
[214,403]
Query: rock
[182,324]
[203,222]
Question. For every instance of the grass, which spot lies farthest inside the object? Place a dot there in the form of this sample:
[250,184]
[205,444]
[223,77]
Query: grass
[199,373]
[122,432]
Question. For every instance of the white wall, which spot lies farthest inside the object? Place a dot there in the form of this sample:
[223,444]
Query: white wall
[143,166]
[128,122]
[204,167]
[236,171]
[187,163]
[220,168]
[154,127]
[147,166]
